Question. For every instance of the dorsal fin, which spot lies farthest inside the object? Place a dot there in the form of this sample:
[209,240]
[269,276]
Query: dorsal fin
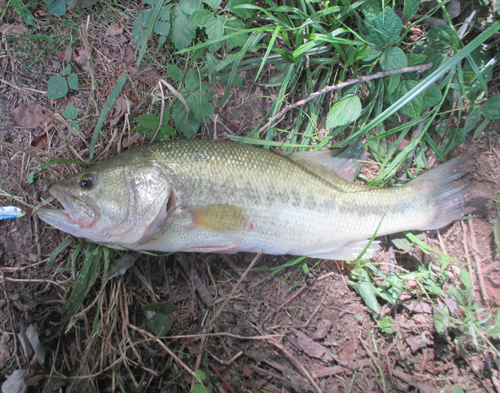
[346,162]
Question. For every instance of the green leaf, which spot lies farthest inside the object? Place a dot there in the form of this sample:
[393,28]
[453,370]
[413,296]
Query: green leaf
[162,28]
[148,121]
[393,58]
[160,324]
[70,112]
[57,8]
[472,119]
[75,126]
[163,307]
[410,8]
[58,87]
[56,252]
[442,37]
[183,32]
[187,125]
[201,108]
[199,388]
[414,107]
[384,29]
[189,7]
[367,292]
[67,70]
[344,111]
[432,96]
[201,17]
[491,109]
[416,59]
[73,81]
[215,30]
[214,4]
[140,26]
[371,9]
[23,12]
[194,82]
[232,25]
[174,72]
[442,320]
[242,13]
[385,325]
[393,83]
[465,278]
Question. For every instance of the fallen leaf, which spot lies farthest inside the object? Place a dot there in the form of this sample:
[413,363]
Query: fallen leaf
[418,307]
[30,116]
[32,335]
[348,354]
[4,349]
[323,329]
[114,30]
[122,106]
[10,30]
[16,383]
[129,54]
[415,343]
[150,77]
[62,55]
[306,344]
[83,59]
[40,141]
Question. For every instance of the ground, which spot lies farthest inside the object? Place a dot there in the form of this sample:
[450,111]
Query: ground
[299,330]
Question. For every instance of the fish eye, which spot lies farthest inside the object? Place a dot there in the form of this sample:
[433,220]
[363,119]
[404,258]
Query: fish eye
[87,182]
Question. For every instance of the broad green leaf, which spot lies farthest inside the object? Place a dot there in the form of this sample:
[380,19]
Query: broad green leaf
[367,292]
[410,8]
[163,307]
[189,7]
[73,81]
[385,325]
[148,120]
[187,125]
[242,13]
[201,17]
[194,82]
[200,107]
[416,59]
[160,324]
[214,4]
[344,111]
[57,8]
[384,29]
[393,83]
[58,87]
[67,70]
[232,25]
[215,30]
[164,14]
[371,9]
[174,72]
[442,37]
[23,11]
[75,126]
[414,107]
[465,278]
[183,32]
[70,112]
[432,96]
[472,119]
[442,320]
[393,58]
[491,109]
[140,26]
[199,388]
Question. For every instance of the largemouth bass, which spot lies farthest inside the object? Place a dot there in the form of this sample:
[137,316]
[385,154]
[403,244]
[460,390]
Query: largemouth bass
[208,196]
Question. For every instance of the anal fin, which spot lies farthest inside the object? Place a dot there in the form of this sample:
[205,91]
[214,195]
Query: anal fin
[351,251]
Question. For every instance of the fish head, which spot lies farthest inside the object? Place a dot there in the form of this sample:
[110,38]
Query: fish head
[119,201]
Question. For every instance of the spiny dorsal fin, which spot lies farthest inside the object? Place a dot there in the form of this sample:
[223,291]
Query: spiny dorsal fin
[346,162]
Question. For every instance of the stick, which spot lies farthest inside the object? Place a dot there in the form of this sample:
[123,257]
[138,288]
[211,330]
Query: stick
[477,259]
[327,89]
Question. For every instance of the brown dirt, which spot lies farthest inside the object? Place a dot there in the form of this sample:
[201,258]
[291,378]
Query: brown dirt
[269,337]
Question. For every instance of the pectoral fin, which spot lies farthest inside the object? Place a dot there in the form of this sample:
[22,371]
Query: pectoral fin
[220,218]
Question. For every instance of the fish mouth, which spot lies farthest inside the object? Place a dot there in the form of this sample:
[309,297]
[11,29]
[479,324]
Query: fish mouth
[78,214]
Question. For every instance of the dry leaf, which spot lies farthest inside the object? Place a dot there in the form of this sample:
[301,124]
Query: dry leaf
[415,343]
[122,106]
[129,54]
[83,59]
[62,55]
[324,327]
[30,116]
[40,141]
[348,354]
[9,30]
[310,347]
[114,30]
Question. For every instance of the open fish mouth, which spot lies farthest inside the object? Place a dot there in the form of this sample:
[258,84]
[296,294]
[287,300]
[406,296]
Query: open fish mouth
[78,213]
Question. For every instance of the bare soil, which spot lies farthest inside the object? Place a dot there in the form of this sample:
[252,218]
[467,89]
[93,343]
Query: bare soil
[293,332]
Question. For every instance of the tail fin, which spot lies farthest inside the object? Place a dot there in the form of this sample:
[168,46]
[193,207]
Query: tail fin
[451,193]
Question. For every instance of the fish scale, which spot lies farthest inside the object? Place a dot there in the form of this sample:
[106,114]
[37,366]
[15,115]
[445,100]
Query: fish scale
[195,195]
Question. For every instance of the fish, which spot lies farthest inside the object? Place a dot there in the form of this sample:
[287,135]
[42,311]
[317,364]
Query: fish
[225,197]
